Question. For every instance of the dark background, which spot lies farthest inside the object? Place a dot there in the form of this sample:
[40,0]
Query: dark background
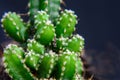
[99,21]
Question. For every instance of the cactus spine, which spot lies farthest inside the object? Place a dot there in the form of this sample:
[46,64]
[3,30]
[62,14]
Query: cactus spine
[51,52]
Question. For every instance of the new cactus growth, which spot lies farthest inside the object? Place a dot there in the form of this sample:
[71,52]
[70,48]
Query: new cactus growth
[14,26]
[65,25]
[51,51]
[36,47]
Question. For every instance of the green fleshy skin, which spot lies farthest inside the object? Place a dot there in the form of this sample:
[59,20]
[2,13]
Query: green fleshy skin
[43,4]
[36,47]
[33,8]
[40,19]
[48,30]
[14,65]
[53,9]
[66,66]
[45,34]
[32,60]
[14,26]
[46,65]
[66,23]
[61,43]
[76,44]
[79,68]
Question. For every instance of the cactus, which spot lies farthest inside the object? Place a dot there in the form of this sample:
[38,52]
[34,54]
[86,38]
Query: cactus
[66,66]
[14,65]
[66,23]
[14,26]
[50,50]
[47,63]
[36,47]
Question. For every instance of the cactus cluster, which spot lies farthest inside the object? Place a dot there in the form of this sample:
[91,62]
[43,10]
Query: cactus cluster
[50,50]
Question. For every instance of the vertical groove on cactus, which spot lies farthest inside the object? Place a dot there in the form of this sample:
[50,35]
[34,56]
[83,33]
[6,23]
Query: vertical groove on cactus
[14,26]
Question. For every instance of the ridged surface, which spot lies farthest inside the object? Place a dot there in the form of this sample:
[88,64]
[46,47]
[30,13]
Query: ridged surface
[45,31]
[35,47]
[66,66]
[14,64]
[13,25]
[52,50]
[65,24]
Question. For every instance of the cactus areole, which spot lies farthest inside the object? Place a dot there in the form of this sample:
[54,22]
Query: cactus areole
[52,52]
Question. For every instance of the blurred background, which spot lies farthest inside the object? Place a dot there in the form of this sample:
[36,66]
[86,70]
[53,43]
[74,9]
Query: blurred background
[99,24]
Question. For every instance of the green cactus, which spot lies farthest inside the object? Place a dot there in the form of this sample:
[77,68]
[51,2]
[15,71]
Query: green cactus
[75,43]
[40,19]
[33,8]
[14,26]
[53,9]
[66,66]
[50,6]
[36,47]
[66,23]
[14,64]
[47,63]
[51,51]
[32,60]
[45,34]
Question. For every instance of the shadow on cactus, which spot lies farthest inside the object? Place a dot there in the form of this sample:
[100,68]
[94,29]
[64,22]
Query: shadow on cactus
[50,51]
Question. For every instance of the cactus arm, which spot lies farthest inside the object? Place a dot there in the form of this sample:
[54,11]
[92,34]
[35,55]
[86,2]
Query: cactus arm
[36,47]
[14,26]
[46,65]
[32,60]
[66,66]
[14,65]
[45,29]
[46,34]
[76,44]
[66,23]
[40,19]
